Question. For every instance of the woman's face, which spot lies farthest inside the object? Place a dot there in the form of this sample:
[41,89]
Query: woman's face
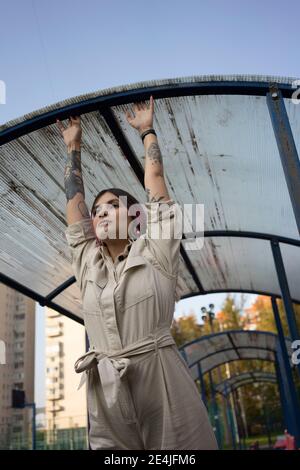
[110,217]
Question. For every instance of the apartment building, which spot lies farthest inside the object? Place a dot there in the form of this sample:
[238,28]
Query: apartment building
[65,405]
[17,331]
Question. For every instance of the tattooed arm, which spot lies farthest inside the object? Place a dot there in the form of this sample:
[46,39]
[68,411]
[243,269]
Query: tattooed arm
[76,206]
[154,174]
[155,185]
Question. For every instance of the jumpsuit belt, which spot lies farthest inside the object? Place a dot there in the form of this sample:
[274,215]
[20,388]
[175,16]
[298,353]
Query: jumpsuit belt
[113,365]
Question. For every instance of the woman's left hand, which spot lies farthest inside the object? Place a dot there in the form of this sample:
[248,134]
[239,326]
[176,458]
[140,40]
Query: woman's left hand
[143,118]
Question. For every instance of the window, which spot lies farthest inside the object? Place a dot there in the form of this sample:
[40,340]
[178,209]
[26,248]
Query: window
[19,316]
[19,364]
[17,429]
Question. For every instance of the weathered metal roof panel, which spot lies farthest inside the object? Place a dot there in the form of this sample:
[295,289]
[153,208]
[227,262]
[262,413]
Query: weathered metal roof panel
[213,351]
[219,150]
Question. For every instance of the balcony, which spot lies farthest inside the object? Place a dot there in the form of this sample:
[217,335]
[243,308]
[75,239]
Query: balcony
[56,408]
[52,314]
[53,332]
[55,397]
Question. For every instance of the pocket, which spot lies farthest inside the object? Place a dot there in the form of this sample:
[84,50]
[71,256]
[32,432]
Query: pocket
[135,298]
[94,285]
[136,287]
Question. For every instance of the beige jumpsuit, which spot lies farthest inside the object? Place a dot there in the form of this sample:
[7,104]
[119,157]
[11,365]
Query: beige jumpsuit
[140,392]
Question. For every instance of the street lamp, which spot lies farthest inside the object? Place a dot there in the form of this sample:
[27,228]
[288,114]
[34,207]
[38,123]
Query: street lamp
[208,314]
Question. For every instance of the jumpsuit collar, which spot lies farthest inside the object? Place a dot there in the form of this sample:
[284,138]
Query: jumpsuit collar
[121,256]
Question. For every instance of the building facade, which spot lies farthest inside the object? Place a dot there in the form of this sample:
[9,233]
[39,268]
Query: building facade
[17,332]
[66,408]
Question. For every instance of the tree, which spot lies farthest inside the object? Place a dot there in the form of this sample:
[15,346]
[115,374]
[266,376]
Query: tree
[185,329]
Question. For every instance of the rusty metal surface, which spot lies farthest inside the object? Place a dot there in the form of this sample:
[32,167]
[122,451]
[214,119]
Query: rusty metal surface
[218,150]
[32,202]
[240,263]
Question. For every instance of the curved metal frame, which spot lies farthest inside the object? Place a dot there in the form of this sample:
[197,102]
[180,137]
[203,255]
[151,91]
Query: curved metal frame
[234,347]
[158,92]
[104,103]
[242,380]
[281,359]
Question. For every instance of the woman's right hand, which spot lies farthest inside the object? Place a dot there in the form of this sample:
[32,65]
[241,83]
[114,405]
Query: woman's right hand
[73,132]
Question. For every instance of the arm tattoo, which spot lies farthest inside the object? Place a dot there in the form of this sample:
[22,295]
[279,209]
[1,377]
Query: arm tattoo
[73,175]
[155,198]
[154,154]
[82,207]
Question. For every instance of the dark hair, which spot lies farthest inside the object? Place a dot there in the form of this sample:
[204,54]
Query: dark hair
[131,200]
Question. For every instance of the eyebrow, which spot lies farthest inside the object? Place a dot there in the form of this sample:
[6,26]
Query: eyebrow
[107,202]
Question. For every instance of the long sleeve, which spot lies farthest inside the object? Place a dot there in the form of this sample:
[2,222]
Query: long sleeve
[81,240]
[164,233]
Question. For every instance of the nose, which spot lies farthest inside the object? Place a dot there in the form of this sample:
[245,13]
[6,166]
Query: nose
[103,213]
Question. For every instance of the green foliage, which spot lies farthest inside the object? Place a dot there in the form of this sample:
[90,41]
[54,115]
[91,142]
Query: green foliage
[261,402]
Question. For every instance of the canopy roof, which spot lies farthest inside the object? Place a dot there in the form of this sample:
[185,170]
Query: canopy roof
[245,378]
[219,149]
[216,349]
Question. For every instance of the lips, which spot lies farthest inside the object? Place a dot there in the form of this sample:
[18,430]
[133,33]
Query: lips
[103,222]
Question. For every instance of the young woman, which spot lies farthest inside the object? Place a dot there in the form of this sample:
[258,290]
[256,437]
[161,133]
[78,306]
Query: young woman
[140,392]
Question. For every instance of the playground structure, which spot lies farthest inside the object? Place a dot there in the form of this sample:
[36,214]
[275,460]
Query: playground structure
[205,354]
[230,143]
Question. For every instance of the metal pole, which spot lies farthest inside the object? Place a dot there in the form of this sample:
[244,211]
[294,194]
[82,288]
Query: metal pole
[34,426]
[202,383]
[215,409]
[284,407]
[33,430]
[290,393]
[223,401]
[243,414]
[238,418]
[228,407]
[285,292]
[286,146]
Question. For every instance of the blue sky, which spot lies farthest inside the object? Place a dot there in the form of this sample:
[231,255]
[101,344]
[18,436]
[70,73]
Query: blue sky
[54,50]
[50,51]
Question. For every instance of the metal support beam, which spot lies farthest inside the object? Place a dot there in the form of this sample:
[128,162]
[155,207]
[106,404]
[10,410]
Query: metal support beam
[39,298]
[202,384]
[227,87]
[286,146]
[284,406]
[229,414]
[33,421]
[216,416]
[290,393]
[285,291]
[58,290]
[234,346]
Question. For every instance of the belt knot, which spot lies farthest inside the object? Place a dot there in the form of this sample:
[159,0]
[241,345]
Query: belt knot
[112,366]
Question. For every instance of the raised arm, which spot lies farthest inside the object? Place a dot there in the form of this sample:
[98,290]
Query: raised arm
[163,214]
[76,207]
[155,185]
